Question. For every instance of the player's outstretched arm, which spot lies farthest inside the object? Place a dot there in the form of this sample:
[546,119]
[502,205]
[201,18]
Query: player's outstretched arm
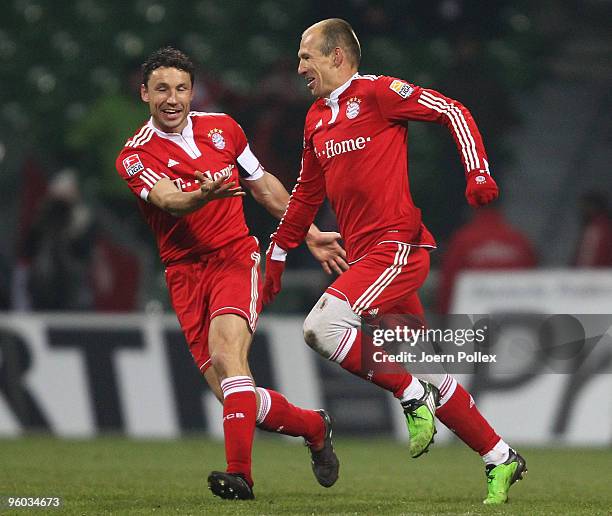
[324,246]
[399,101]
[168,197]
[269,192]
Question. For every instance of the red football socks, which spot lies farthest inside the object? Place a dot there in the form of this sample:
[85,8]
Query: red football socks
[460,414]
[239,412]
[358,360]
[276,414]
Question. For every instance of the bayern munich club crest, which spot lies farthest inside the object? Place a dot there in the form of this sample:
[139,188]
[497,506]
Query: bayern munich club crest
[216,135]
[352,107]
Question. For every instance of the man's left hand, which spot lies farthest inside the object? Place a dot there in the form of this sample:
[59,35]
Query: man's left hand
[325,247]
[481,188]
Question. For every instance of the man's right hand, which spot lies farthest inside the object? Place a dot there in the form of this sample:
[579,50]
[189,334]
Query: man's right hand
[219,188]
[275,265]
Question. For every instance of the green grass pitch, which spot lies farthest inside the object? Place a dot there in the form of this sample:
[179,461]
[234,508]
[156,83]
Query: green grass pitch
[122,476]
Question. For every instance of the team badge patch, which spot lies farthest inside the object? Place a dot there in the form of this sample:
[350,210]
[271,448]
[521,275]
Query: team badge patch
[352,107]
[401,88]
[132,164]
[216,135]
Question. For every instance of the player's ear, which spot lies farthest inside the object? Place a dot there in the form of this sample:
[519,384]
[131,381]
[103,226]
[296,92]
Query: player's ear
[144,93]
[338,56]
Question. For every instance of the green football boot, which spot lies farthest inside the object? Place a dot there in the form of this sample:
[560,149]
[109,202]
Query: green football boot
[502,476]
[420,420]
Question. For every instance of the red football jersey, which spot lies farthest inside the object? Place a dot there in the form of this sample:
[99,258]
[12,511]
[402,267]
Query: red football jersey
[212,143]
[355,151]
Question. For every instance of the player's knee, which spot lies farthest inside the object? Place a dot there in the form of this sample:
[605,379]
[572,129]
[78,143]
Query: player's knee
[313,331]
[317,332]
[223,361]
[326,323]
[229,361]
[228,342]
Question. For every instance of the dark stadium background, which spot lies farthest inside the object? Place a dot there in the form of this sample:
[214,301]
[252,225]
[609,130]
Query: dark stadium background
[536,75]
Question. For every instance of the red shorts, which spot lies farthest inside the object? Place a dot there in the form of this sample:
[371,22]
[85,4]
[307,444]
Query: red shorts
[226,281]
[385,280]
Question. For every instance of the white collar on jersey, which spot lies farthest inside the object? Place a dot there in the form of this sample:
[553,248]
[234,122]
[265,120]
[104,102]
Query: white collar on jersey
[184,139]
[332,101]
[340,89]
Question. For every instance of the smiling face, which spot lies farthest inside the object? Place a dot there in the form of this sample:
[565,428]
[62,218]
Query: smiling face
[169,93]
[320,71]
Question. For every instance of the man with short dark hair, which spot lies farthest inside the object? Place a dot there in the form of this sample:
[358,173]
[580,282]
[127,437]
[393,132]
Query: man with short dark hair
[184,168]
[338,33]
[355,146]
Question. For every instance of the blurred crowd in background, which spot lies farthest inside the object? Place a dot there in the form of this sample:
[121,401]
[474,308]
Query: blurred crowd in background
[71,236]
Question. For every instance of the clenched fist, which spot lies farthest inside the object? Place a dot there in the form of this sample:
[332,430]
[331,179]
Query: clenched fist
[481,188]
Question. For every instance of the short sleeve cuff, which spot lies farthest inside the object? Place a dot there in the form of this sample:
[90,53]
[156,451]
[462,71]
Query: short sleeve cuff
[249,162]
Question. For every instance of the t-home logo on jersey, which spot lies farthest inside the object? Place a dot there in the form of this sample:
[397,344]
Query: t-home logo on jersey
[132,164]
[333,148]
[224,172]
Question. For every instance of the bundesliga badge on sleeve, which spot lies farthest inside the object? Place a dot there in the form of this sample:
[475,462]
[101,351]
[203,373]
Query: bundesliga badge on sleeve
[401,88]
[132,164]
